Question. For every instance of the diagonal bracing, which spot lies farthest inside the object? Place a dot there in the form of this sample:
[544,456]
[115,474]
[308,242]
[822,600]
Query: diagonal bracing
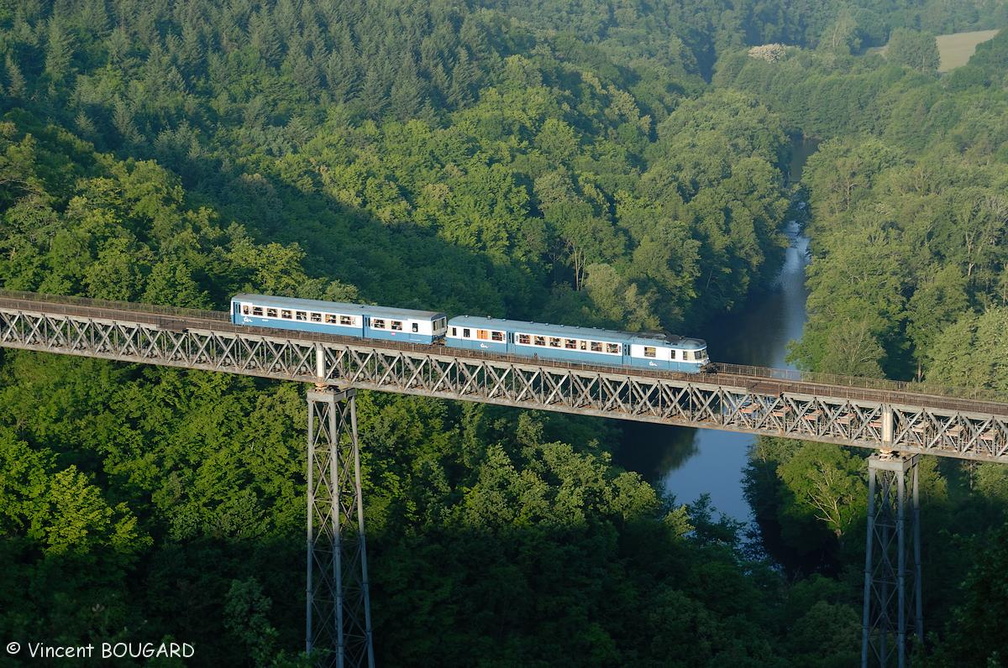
[833,414]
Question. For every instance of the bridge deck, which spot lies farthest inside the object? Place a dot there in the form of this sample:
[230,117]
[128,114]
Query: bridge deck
[870,413]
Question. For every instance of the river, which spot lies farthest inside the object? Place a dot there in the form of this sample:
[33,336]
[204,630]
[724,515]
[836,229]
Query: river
[687,463]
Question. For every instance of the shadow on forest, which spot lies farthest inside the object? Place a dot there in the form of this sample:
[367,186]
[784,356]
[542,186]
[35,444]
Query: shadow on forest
[450,596]
[401,263]
[226,598]
[955,524]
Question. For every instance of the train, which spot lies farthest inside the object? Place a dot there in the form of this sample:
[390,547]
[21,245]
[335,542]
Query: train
[534,340]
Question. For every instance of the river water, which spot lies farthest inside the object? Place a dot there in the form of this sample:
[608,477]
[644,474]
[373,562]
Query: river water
[687,463]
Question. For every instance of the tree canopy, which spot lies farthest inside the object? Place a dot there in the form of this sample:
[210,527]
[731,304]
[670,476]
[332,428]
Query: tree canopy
[594,163]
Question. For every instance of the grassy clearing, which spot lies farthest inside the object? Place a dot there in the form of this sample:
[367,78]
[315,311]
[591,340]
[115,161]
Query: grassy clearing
[955,50]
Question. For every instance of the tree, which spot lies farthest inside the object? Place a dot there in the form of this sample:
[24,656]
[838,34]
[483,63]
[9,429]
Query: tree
[23,481]
[59,52]
[842,172]
[842,35]
[623,303]
[972,352]
[118,273]
[245,616]
[973,638]
[917,50]
[171,284]
[827,483]
[852,349]
[935,304]
[558,141]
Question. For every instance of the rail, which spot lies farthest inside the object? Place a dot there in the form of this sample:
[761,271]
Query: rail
[769,379]
[864,383]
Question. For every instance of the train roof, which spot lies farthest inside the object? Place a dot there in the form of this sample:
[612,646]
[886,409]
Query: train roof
[338,307]
[574,332]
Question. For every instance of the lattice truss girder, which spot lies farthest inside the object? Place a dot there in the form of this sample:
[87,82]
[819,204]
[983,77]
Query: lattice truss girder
[892,613]
[338,606]
[265,356]
[635,395]
[678,400]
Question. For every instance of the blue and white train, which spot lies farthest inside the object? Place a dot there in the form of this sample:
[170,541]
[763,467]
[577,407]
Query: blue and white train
[491,335]
[576,344]
[359,320]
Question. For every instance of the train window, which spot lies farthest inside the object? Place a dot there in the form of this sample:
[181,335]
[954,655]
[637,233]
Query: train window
[649,351]
[570,344]
[465,333]
[612,348]
[300,315]
[441,323]
[416,327]
[316,317]
[377,323]
[284,313]
[271,312]
[583,345]
[482,334]
[345,320]
[539,340]
[454,331]
[596,347]
[330,319]
[673,352]
[257,310]
[524,338]
[397,325]
[554,342]
[245,309]
[497,336]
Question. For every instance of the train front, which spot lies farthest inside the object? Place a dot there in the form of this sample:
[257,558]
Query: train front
[695,353]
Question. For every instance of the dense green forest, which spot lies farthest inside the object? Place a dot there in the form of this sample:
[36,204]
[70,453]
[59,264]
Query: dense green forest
[909,223]
[615,164]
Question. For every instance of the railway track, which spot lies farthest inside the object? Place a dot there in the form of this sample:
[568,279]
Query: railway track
[759,380]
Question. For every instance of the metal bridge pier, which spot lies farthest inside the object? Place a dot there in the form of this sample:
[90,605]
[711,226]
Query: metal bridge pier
[892,588]
[338,623]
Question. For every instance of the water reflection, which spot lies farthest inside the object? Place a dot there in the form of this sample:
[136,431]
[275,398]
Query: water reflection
[691,462]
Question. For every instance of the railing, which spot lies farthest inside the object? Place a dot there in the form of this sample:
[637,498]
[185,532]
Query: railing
[946,396]
[108,307]
[851,387]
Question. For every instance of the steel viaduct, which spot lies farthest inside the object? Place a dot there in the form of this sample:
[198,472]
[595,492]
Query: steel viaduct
[900,421]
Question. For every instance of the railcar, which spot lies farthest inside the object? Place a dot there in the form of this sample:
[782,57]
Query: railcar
[576,344]
[359,320]
[494,335]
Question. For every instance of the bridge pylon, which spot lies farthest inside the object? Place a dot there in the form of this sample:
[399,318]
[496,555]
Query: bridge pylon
[338,623]
[893,611]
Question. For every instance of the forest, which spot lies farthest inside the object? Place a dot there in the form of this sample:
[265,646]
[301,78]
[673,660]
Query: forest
[601,162]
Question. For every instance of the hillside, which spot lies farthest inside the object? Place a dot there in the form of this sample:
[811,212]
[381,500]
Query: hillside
[592,162]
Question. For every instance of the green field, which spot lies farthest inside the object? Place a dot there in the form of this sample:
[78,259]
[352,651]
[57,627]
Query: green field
[956,49]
